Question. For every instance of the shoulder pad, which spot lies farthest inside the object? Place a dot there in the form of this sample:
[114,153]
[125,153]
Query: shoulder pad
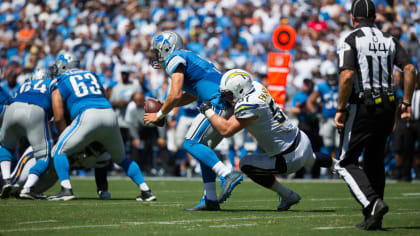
[173,62]
[245,110]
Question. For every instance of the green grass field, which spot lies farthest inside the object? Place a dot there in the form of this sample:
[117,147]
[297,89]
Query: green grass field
[325,208]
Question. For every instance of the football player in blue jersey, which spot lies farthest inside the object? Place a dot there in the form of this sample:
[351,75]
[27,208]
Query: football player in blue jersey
[327,91]
[192,78]
[79,94]
[28,116]
[5,100]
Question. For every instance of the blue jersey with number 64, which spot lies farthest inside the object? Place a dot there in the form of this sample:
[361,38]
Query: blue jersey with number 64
[81,90]
[37,92]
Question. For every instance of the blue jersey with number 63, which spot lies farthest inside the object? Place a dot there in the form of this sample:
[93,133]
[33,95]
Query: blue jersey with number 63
[81,90]
[37,92]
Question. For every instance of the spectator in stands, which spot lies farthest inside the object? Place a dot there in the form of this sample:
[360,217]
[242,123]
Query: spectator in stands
[143,138]
[120,97]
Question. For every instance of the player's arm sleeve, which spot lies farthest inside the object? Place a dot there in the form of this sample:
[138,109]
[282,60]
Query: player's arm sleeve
[173,63]
[401,57]
[246,110]
[347,54]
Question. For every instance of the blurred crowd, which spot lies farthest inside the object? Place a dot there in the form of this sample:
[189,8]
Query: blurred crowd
[112,38]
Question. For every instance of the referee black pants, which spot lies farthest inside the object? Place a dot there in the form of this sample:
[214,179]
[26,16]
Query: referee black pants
[366,130]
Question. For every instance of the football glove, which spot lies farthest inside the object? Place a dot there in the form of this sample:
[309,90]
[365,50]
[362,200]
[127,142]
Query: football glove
[205,106]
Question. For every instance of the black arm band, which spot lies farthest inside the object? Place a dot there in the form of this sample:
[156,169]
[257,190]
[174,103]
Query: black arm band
[342,110]
[406,104]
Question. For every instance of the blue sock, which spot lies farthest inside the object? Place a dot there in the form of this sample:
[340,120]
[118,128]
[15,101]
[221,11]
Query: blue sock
[242,152]
[132,170]
[207,174]
[40,167]
[5,154]
[323,160]
[325,150]
[201,152]
[62,167]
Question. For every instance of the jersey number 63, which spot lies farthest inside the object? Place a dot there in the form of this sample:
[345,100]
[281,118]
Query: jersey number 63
[85,84]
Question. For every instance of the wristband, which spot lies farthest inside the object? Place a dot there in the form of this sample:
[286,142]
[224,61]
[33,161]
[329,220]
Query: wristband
[342,110]
[406,104]
[209,113]
[160,115]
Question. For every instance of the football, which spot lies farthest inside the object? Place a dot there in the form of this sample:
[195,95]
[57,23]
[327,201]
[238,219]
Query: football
[152,106]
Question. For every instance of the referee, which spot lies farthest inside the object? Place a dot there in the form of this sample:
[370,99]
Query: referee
[366,107]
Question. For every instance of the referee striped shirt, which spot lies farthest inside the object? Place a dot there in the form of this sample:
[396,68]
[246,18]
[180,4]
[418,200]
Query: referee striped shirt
[415,105]
[371,54]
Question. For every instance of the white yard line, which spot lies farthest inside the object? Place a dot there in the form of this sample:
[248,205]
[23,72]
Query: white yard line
[177,222]
[410,194]
[57,228]
[329,228]
[37,222]
[349,198]
[352,227]
[176,204]
[231,226]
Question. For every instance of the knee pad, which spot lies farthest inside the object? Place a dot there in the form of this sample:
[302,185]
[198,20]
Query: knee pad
[263,180]
[280,167]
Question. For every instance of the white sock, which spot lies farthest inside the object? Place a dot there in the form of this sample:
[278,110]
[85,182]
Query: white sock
[144,187]
[210,191]
[221,169]
[5,169]
[280,189]
[25,190]
[31,181]
[66,183]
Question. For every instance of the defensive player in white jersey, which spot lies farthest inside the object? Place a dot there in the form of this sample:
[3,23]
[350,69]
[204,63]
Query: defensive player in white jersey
[287,148]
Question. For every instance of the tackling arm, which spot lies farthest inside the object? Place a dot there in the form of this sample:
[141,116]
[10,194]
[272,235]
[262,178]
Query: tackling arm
[227,128]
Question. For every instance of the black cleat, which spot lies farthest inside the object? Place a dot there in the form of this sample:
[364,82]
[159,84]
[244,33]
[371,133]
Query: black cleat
[6,189]
[362,225]
[65,194]
[374,220]
[104,195]
[286,203]
[205,205]
[228,184]
[31,195]
[146,196]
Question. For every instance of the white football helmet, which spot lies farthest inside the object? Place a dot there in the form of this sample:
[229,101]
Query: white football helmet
[39,73]
[236,83]
[64,62]
[163,45]
[332,75]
